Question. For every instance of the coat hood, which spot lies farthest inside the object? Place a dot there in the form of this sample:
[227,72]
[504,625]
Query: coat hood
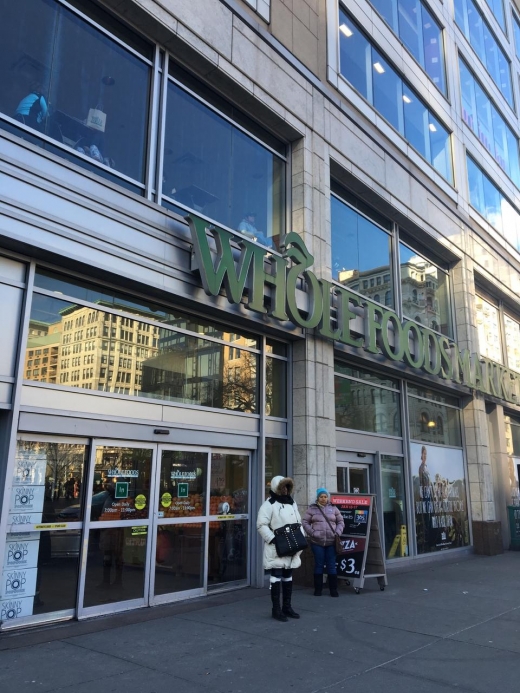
[278,483]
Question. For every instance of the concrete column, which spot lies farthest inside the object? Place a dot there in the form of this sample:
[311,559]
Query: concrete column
[487,532]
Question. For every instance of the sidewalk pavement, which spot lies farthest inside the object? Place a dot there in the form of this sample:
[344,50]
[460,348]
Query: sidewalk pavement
[440,628]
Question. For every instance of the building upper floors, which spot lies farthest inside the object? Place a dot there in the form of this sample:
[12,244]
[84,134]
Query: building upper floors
[139,116]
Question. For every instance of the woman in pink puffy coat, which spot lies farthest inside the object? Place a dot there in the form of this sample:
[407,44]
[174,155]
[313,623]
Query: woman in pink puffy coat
[321,535]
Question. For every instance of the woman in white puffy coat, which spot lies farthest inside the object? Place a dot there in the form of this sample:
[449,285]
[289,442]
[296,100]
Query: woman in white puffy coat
[279,510]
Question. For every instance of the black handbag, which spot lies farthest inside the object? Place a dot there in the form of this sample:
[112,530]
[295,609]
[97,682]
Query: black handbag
[289,539]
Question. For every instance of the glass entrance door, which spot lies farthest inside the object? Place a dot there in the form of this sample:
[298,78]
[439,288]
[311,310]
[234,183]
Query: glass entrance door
[116,544]
[180,527]
[147,524]
[355,472]
[42,552]
[353,478]
[201,524]
[228,535]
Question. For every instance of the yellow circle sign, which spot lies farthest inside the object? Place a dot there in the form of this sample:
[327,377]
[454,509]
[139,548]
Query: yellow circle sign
[166,500]
[140,502]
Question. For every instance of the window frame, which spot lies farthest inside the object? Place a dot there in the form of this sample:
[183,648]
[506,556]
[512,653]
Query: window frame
[439,268]
[69,153]
[464,30]
[391,237]
[442,31]
[397,235]
[369,99]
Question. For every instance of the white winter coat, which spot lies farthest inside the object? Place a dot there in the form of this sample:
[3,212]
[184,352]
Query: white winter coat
[272,515]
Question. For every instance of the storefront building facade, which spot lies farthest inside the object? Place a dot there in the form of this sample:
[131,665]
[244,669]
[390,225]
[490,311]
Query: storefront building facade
[243,240]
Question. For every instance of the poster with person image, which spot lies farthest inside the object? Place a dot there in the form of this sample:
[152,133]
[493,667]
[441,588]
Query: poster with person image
[440,501]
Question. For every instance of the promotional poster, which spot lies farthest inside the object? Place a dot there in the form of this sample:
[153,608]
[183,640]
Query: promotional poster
[440,502]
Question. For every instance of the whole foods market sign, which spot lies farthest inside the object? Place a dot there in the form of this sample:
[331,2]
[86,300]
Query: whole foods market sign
[332,309]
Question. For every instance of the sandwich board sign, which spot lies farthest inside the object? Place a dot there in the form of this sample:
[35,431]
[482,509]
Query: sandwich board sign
[363,552]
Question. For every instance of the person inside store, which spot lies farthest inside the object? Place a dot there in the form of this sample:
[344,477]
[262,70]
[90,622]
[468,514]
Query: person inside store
[32,109]
[277,511]
[322,522]
[248,227]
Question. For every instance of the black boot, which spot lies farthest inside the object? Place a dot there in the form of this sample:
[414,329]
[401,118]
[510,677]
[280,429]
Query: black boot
[318,585]
[287,594]
[275,598]
[333,585]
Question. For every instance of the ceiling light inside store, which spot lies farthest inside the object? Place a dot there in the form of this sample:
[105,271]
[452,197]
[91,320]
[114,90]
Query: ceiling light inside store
[345,29]
[379,68]
[407,99]
[431,424]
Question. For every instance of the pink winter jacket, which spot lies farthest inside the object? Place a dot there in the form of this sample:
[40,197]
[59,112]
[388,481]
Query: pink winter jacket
[316,526]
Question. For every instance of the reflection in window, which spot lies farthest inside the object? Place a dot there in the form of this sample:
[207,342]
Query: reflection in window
[497,7]
[420,33]
[275,460]
[152,361]
[478,32]
[488,329]
[487,199]
[83,291]
[512,334]
[212,166]
[394,506]
[480,114]
[432,421]
[360,252]
[374,78]
[363,406]
[275,387]
[424,289]
[68,80]
[516,31]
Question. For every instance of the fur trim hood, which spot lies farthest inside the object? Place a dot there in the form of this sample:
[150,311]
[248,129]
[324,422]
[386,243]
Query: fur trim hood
[279,482]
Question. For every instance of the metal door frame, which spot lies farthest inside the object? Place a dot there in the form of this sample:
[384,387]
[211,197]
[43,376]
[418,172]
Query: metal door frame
[124,605]
[222,586]
[348,460]
[64,526]
[169,597]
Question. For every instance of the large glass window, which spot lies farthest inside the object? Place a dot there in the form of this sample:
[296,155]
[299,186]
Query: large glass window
[424,291]
[66,79]
[415,25]
[440,499]
[275,460]
[497,7]
[191,361]
[512,334]
[488,327]
[393,497]
[212,165]
[478,32]
[480,114]
[361,252]
[516,32]
[433,417]
[366,401]
[370,74]
[487,199]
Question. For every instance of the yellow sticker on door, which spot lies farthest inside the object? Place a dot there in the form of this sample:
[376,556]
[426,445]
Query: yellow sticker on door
[140,502]
[166,500]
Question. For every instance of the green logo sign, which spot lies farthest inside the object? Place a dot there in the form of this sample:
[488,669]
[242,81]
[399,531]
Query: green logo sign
[183,490]
[121,489]
[332,310]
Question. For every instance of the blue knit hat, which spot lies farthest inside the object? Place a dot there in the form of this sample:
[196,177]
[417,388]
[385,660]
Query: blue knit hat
[322,490]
